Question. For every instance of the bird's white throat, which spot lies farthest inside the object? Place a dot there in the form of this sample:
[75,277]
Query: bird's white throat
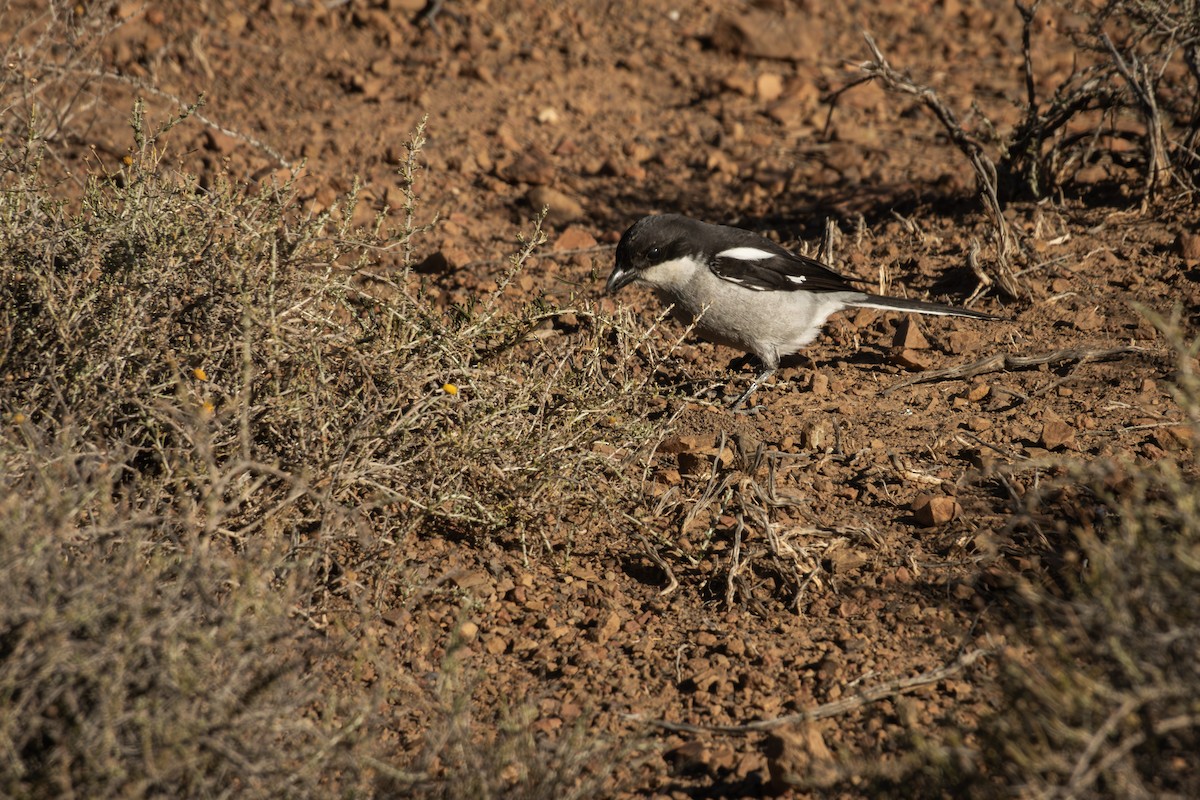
[670,275]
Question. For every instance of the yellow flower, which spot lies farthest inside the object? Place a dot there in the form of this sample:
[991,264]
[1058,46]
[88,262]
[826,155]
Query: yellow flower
[18,418]
[449,388]
[199,374]
[207,410]
[127,161]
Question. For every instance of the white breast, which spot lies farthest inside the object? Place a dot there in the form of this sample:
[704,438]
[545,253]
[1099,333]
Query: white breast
[769,324]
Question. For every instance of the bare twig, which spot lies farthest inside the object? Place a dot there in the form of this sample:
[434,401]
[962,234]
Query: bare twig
[653,554]
[1002,361]
[985,280]
[873,694]
[1137,75]
[1027,14]
[985,169]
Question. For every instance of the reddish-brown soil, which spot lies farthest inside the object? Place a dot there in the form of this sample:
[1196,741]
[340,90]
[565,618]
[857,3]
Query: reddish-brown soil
[611,110]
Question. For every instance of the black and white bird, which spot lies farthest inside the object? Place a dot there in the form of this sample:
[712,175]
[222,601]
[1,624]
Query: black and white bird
[743,290]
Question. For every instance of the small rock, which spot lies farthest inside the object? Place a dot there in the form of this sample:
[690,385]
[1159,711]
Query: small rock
[468,631]
[769,87]
[979,424]
[739,82]
[1189,246]
[1088,320]
[369,86]
[796,754]
[697,453]
[816,435]
[608,628]
[235,22]
[797,106]
[764,34]
[911,359]
[574,238]
[723,760]
[719,161]
[561,208]
[978,391]
[932,510]
[637,152]
[689,758]
[1180,435]
[533,166]
[959,342]
[548,116]
[128,9]
[1056,434]
[748,764]
[909,336]
[819,384]
[546,725]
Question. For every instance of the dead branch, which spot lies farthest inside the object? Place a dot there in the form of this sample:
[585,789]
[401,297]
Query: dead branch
[1137,75]
[1003,361]
[985,169]
[1027,14]
[653,554]
[837,708]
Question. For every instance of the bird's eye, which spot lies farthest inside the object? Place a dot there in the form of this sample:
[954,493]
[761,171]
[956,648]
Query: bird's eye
[654,254]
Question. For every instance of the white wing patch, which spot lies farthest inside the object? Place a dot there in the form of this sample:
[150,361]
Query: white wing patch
[745,254]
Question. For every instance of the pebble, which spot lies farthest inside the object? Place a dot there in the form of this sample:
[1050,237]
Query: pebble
[909,337]
[764,34]
[911,359]
[533,167]
[819,384]
[1189,246]
[932,510]
[959,342]
[799,753]
[769,87]
[561,207]
[1056,434]
[574,238]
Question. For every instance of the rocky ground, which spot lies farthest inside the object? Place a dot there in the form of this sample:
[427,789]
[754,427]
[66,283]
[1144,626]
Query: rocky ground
[871,539]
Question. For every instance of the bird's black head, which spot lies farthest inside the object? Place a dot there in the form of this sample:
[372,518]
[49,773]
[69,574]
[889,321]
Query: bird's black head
[648,242]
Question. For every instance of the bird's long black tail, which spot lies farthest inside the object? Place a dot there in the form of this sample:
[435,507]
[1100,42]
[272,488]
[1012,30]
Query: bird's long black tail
[917,307]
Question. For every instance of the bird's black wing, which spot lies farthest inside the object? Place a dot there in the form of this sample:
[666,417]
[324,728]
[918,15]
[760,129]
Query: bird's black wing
[767,267]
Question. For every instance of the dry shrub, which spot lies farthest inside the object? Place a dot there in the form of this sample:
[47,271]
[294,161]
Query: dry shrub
[1101,699]
[138,657]
[211,419]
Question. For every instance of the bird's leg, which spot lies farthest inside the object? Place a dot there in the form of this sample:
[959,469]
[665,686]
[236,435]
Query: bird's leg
[762,376]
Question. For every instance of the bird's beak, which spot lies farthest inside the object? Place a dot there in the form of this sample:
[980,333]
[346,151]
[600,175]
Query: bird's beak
[619,278]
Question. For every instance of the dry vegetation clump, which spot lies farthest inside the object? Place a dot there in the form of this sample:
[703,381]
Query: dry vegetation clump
[1128,105]
[211,429]
[1102,699]
[227,426]
[138,658]
[1098,689]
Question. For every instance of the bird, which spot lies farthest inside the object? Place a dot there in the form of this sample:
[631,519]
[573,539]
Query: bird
[742,290]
